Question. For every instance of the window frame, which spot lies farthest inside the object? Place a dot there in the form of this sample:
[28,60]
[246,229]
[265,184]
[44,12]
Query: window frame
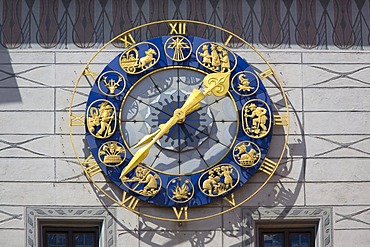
[286,227]
[70,227]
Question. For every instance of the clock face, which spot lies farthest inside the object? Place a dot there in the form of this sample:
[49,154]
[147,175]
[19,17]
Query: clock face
[178,121]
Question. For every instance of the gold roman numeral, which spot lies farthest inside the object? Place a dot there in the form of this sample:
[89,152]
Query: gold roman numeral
[230,199]
[128,40]
[282,120]
[77,120]
[268,166]
[178,28]
[129,201]
[266,73]
[90,166]
[228,40]
[88,72]
[179,213]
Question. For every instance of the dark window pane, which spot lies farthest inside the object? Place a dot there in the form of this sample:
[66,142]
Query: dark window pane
[57,240]
[300,239]
[273,240]
[84,239]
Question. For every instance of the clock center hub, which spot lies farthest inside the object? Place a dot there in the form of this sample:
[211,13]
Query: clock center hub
[180,115]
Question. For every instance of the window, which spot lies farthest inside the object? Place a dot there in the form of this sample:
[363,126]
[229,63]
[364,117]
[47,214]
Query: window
[286,234]
[69,234]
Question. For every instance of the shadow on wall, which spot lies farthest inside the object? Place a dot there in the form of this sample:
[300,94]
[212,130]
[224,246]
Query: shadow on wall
[9,91]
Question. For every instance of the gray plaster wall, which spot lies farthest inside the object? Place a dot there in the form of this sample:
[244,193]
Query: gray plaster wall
[327,166]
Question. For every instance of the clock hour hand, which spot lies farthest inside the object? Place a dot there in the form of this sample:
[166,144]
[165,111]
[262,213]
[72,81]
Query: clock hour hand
[143,152]
[216,83]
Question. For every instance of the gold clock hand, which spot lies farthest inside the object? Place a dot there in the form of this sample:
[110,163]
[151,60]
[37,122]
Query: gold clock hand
[143,152]
[216,83]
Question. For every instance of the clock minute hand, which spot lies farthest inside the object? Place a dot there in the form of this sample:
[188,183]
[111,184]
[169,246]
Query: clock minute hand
[216,83]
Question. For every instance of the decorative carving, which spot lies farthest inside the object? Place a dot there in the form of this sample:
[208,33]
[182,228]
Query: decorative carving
[112,153]
[245,83]
[180,190]
[215,57]
[101,119]
[111,83]
[178,48]
[256,118]
[218,180]
[246,154]
[132,62]
[145,182]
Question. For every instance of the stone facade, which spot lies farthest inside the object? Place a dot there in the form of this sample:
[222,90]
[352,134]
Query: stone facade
[325,174]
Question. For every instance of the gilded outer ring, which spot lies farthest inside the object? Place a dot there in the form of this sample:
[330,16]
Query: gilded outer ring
[167,68]
[177,60]
[232,35]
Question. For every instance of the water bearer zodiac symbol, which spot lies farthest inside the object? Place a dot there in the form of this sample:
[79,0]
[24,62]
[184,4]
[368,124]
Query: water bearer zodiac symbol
[246,154]
[100,120]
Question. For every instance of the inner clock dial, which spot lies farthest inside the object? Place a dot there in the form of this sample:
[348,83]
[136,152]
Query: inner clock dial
[201,141]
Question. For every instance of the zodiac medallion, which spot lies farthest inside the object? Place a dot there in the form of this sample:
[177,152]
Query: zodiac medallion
[145,182]
[101,119]
[216,57]
[139,58]
[111,83]
[178,48]
[256,118]
[112,153]
[218,180]
[180,190]
[246,154]
[245,83]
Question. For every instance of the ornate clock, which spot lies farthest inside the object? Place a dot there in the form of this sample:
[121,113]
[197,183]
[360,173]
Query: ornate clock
[178,121]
